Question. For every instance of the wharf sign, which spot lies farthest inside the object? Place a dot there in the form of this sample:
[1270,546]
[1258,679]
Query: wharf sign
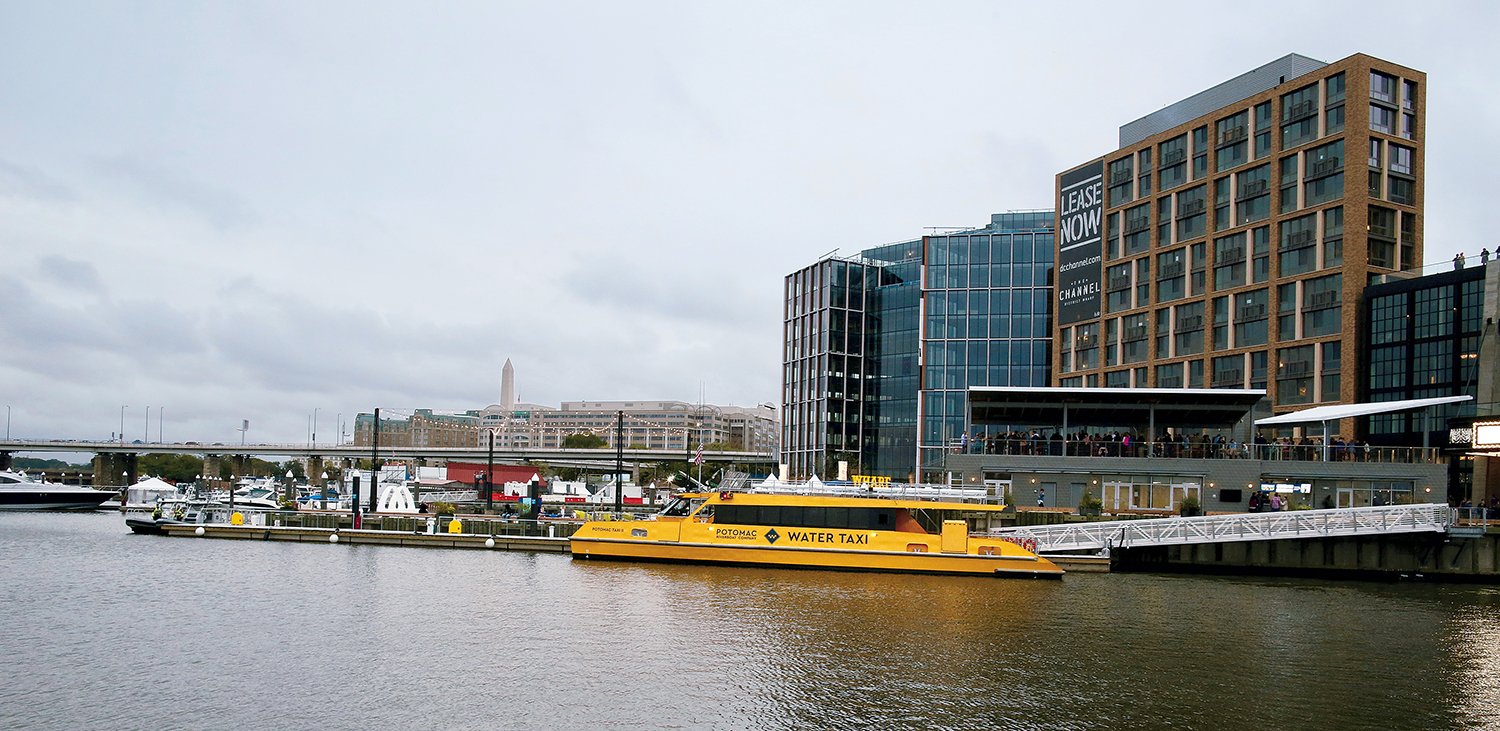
[1080,259]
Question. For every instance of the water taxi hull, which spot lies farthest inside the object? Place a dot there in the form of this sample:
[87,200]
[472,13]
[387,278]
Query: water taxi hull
[817,558]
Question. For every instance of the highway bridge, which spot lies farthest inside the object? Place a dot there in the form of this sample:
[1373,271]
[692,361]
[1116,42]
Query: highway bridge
[115,458]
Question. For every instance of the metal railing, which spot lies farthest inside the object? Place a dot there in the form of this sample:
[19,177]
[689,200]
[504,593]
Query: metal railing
[893,491]
[1387,519]
[1312,451]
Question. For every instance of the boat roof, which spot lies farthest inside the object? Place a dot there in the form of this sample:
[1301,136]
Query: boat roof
[835,500]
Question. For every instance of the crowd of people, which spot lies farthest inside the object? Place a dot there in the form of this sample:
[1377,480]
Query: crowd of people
[1168,444]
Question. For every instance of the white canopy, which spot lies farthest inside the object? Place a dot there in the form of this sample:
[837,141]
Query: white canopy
[155,484]
[1320,414]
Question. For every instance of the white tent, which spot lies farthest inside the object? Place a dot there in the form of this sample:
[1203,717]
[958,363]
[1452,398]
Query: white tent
[149,490]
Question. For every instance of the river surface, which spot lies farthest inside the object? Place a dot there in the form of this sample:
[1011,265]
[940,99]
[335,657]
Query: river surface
[101,629]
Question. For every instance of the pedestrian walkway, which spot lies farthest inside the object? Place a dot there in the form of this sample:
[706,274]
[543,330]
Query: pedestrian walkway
[1104,535]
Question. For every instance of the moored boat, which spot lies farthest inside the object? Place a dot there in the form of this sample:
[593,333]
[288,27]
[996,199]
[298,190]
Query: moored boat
[20,492]
[816,531]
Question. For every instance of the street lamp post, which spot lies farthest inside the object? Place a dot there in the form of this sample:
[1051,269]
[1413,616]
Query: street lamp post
[315,427]
[122,424]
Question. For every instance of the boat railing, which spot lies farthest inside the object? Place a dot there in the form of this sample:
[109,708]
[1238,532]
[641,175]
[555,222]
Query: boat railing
[891,491]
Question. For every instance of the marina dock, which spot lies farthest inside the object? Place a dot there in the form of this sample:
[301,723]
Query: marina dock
[472,541]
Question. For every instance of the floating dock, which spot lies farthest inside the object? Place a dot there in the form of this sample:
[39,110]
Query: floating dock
[473,541]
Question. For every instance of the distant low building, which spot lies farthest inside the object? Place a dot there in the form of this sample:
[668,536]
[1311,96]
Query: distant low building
[424,428]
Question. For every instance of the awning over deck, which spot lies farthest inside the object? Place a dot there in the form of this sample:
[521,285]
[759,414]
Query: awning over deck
[1072,408]
[1322,414]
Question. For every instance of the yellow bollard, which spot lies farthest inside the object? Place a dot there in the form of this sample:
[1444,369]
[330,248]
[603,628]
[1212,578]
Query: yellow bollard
[237,519]
[454,526]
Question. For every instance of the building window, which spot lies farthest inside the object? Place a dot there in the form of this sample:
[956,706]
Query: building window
[1145,168]
[1261,250]
[1143,281]
[1251,318]
[1198,281]
[1433,314]
[1299,116]
[1333,237]
[1432,363]
[1298,251]
[1294,374]
[1137,229]
[1200,153]
[1172,162]
[1262,130]
[1232,141]
[1191,213]
[1286,311]
[1325,173]
[1121,176]
[1388,367]
[1229,261]
[1382,234]
[1171,273]
[1332,367]
[1288,184]
[1321,308]
[1221,323]
[1188,329]
[1382,87]
[1169,376]
[1382,120]
[1134,338]
[1388,319]
[1253,195]
[1229,371]
[1118,287]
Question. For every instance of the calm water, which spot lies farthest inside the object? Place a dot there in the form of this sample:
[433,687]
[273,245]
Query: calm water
[103,629]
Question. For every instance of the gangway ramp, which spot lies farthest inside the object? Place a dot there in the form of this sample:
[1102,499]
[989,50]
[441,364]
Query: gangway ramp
[1103,535]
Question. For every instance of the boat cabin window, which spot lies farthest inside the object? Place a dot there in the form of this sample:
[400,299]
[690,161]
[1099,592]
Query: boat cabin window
[680,506]
[805,517]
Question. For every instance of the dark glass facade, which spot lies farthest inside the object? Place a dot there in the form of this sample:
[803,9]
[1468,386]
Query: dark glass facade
[880,345]
[1422,338]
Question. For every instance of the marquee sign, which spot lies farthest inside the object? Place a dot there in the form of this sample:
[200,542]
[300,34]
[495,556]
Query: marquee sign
[1486,435]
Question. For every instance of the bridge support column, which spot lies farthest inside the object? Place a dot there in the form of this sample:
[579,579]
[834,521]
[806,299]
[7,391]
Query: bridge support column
[315,471]
[237,466]
[113,469]
[212,464]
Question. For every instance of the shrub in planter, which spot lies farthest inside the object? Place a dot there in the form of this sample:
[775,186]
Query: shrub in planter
[1090,506]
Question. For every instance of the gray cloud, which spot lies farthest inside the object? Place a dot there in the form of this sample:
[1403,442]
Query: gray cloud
[279,209]
[157,184]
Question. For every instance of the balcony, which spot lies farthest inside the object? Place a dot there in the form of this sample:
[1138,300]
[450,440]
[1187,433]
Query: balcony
[1325,167]
[1232,135]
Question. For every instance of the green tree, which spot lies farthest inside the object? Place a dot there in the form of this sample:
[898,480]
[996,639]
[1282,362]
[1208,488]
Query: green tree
[584,441]
[171,467]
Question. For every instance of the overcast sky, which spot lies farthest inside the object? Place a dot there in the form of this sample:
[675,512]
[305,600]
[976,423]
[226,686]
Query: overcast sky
[254,210]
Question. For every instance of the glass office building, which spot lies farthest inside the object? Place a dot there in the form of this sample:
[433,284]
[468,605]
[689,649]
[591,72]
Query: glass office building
[880,349]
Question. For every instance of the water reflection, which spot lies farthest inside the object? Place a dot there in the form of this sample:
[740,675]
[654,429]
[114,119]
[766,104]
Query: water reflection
[270,634]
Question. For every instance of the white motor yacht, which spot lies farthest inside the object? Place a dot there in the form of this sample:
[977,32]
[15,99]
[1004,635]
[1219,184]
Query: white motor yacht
[20,492]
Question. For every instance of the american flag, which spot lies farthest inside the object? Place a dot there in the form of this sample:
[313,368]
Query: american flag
[698,458]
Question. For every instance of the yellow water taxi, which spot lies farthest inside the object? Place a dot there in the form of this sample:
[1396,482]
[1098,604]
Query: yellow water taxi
[816,531]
